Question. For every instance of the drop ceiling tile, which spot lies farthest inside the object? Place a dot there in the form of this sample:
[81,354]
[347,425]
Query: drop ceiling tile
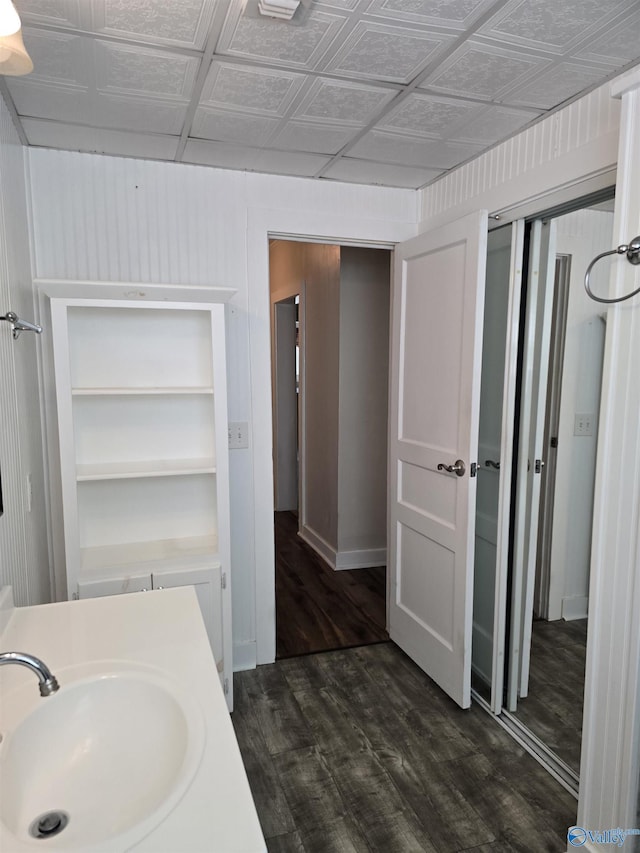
[226,126]
[53,134]
[70,105]
[412,151]
[252,159]
[131,69]
[150,115]
[617,45]
[254,37]
[58,57]
[548,24]
[429,115]
[252,89]
[59,13]
[337,100]
[482,71]
[344,5]
[180,22]
[381,174]
[453,14]
[50,100]
[374,51]
[492,124]
[315,138]
[555,85]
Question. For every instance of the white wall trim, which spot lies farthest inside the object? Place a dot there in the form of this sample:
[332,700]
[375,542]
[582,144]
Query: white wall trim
[564,156]
[244,656]
[365,558]
[321,224]
[611,731]
[319,545]
[575,607]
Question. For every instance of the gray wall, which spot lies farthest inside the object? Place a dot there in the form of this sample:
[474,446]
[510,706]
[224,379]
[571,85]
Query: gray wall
[364,373]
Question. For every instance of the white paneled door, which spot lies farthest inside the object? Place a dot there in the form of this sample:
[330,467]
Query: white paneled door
[436,353]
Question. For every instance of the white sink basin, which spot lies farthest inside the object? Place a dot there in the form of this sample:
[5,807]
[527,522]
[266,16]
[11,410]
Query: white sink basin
[115,750]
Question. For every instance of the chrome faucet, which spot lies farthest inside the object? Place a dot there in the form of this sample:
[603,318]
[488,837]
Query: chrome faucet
[48,681]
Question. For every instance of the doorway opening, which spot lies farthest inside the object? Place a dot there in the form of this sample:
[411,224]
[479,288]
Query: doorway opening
[330,366]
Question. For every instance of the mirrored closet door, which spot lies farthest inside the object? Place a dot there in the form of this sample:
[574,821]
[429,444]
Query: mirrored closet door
[532,574]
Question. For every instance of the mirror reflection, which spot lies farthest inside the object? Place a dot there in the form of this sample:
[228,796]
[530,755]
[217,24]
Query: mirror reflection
[531,602]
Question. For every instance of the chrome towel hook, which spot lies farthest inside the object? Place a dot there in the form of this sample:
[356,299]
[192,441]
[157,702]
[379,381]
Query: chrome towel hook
[632,251]
[18,325]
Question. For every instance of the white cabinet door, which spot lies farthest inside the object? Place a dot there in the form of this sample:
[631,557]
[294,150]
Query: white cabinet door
[436,352]
[114,586]
[208,585]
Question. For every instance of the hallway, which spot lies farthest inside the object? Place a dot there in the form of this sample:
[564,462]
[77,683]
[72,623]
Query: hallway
[318,609]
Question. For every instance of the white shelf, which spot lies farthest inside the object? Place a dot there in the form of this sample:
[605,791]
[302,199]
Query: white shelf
[142,426]
[146,468]
[141,391]
[158,554]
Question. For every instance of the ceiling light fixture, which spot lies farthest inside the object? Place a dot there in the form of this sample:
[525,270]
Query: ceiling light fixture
[14,59]
[284,9]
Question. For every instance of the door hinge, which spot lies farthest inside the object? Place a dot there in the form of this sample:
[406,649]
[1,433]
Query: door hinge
[474,469]
[539,466]
[226,687]
[554,441]
[223,580]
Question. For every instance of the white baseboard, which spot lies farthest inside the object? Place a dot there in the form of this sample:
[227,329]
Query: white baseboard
[319,545]
[244,656]
[366,558]
[575,607]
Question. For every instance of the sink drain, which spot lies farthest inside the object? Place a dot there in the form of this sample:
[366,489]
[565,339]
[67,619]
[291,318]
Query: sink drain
[49,824]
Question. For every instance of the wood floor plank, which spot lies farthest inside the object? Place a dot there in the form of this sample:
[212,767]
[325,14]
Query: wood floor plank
[554,707]
[313,797]
[382,772]
[504,809]
[334,729]
[278,714]
[317,608]
[339,836]
[532,781]
[303,672]
[271,803]
[290,843]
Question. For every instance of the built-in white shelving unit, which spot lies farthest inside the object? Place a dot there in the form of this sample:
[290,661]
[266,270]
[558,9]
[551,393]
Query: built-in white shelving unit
[143,437]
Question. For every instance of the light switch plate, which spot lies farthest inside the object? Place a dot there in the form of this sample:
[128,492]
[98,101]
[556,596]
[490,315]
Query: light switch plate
[583,424]
[238,435]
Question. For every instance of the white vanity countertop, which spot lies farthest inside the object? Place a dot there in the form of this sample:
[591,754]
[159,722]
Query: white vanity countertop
[163,629]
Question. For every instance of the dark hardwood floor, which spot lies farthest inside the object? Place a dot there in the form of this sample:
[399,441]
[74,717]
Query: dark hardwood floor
[358,750]
[317,608]
[553,708]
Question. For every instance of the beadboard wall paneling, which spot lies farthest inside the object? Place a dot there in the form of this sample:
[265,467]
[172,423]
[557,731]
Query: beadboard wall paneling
[24,561]
[566,148]
[114,219]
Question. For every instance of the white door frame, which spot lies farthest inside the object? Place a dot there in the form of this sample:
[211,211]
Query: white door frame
[307,226]
[506,464]
[611,731]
